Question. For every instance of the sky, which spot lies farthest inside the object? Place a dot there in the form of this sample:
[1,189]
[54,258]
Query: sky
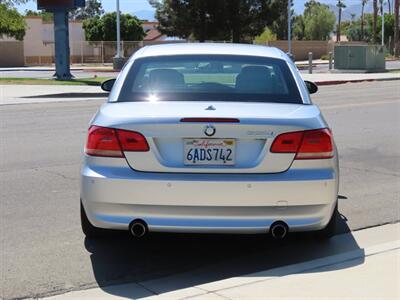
[108,5]
[131,6]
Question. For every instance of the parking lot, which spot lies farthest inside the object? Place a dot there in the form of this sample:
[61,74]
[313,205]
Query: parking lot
[44,251]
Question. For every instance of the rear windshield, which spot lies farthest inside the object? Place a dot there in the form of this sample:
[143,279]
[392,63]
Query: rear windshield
[210,78]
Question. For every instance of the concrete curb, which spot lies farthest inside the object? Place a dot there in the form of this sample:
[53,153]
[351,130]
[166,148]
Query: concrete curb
[27,69]
[101,70]
[336,82]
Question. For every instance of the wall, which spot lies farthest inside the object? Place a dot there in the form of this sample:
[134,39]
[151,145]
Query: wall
[300,49]
[11,53]
[36,51]
[39,41]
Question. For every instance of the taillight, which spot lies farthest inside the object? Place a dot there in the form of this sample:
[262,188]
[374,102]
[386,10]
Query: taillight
[316,144]
[287,142]
[110,142]
[309,144]
[103,141]
[132,141]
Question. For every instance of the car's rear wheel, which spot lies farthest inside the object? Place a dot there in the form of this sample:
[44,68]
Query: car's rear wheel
[330,230]
[88,229]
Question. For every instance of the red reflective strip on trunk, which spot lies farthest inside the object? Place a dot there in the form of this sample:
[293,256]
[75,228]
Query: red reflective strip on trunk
[211,120]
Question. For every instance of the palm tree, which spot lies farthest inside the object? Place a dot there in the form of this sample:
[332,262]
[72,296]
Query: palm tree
[374,21]
[396,28]
[363,2]
[340,5]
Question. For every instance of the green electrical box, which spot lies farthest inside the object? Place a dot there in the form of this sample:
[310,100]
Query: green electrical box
[367,58]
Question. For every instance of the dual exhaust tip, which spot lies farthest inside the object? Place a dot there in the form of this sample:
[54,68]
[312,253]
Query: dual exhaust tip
[279,230]
[138,229]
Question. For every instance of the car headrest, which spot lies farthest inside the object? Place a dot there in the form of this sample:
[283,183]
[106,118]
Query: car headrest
[254,79]
[165,79]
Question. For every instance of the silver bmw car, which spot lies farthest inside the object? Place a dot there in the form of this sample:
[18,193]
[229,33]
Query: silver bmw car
[209,138]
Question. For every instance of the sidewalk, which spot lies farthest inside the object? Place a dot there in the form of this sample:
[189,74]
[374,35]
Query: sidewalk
[73,67]
[372,271]
[22,94]
[340,78]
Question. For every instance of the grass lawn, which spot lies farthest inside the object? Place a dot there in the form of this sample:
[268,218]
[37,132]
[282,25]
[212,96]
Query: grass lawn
[39,81]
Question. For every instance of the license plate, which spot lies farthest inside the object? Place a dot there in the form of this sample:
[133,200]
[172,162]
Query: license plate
[218,152]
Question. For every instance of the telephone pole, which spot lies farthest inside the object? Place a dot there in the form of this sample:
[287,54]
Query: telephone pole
[118,55]
[289,12]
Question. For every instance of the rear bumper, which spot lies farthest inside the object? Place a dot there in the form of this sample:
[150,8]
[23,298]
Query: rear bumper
[113,196]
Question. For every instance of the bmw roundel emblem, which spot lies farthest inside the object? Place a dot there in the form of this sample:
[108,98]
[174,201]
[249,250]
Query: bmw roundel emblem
[209,130]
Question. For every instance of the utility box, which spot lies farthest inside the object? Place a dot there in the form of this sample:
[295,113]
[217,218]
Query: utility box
[364,58]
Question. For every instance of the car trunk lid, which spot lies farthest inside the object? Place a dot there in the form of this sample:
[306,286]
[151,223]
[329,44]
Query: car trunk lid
[171,128]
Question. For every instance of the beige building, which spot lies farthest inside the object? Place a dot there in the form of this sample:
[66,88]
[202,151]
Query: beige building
[37,48]
[39,40]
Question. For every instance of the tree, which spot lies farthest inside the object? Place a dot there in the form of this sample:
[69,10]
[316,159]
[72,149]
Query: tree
[299,28]
[319,22]
[353,31]
[389,24]
[46,16]
[363,2]
[279,16]
[265,37]
[340,5]
[316,23]
[202,20]
[375,17]
[246,19]
[93,8]
[12,23]
[104,28]
[235,20]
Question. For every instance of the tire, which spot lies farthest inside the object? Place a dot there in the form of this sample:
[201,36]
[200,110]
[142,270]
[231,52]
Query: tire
[330,229]
[88,229]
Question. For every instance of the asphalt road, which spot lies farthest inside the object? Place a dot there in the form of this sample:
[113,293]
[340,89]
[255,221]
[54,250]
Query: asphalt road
[43,251]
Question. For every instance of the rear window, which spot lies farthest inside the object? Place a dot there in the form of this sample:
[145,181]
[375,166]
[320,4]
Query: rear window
[210,78]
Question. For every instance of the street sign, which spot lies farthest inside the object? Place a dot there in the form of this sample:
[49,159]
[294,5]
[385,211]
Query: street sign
[60,4]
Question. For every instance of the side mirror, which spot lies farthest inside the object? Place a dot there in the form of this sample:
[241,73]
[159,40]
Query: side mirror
[291,56]
[311,86]
[107,85]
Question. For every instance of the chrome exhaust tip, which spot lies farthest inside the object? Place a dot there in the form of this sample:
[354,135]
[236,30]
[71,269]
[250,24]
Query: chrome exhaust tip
[279,230]
[138,228]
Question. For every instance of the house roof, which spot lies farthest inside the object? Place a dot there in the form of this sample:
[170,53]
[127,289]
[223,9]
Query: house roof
[150,23]
[152,35]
